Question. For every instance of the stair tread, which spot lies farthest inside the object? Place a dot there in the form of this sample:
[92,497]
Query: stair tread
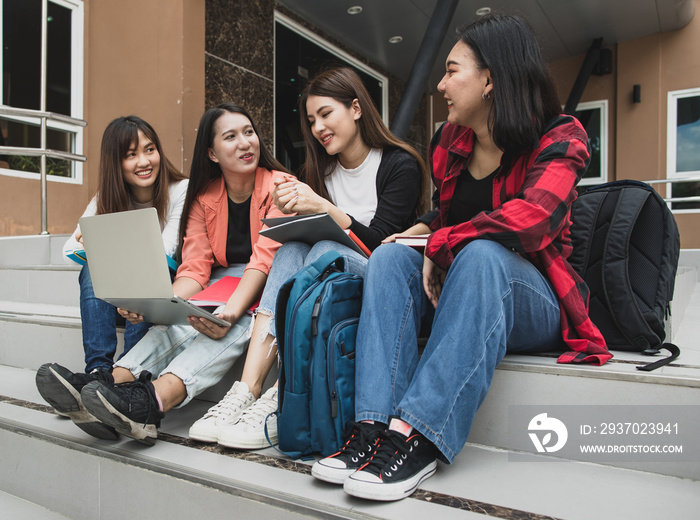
[20,509]
[39,309]
[481,479]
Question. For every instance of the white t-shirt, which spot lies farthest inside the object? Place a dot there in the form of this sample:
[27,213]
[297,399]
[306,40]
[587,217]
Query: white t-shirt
[355,191]
[171,228]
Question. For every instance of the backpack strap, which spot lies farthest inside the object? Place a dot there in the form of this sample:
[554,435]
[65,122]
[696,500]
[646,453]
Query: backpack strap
[615,257]
[330,260]
[673,349]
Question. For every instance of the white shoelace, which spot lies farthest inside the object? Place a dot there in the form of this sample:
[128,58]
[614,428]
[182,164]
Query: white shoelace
[231,403]
[258,411]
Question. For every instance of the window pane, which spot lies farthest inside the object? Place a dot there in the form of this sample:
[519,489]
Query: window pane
[590,119]
[688,134]
[58,74]
[21,53]
[686,189]
[19,134]
[22,56]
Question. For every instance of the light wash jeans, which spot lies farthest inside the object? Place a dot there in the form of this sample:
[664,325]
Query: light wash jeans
[493,301]
[291,258]
[99,323]
[198,360]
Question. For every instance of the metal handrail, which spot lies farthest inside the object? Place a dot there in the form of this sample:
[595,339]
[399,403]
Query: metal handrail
[28,112]
[668,181]
[38,152]
[42,152]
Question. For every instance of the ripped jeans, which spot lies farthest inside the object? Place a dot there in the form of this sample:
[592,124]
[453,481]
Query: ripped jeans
[196,359]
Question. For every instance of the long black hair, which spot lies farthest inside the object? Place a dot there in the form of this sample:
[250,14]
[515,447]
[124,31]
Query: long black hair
[203,170]
[524,96]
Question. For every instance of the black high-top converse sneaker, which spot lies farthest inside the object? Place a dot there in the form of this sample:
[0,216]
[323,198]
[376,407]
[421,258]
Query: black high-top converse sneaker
[360,440]
[397,467]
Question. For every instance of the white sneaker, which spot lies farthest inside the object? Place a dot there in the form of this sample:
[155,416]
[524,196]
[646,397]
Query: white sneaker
[249,432]
[224,413]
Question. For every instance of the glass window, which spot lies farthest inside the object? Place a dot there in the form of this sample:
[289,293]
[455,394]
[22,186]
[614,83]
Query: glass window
[298,58]
[684,148]
[594,118]
[21,84]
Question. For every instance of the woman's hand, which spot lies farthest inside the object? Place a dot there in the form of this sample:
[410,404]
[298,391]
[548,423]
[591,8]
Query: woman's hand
[285,194]
[134,318]
[79,236]
[433,279]
[416,229]
[209,328]
[293,196]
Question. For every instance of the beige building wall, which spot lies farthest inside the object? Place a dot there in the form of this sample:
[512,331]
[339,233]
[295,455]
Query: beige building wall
[141,57]
[660,63]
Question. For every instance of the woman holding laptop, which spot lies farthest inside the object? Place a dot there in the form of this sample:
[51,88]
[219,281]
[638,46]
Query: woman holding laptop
[230,190]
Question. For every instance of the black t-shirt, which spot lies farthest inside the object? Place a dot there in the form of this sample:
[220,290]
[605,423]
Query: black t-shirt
[470,197]
[238,244]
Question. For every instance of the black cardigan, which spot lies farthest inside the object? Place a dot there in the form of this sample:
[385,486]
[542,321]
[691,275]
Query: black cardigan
[398,194]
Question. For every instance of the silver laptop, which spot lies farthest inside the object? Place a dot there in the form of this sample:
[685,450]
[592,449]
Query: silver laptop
[129,268]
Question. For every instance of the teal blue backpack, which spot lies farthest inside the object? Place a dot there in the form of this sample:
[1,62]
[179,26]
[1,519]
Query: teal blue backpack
[317,315]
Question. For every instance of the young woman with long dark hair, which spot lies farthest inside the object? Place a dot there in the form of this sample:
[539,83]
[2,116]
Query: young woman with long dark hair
[230,191]
[494,277]
[369,181]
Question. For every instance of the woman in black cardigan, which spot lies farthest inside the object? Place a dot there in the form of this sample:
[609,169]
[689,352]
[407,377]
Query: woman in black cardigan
[362,175]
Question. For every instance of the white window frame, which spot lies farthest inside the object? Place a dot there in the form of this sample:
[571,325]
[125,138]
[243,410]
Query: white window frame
[77,66]
[340,53]
[671,142]
[601,104]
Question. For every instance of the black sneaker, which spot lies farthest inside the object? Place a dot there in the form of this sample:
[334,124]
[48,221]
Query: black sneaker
[61,389]
[130,408]
[398,466]
[358,449]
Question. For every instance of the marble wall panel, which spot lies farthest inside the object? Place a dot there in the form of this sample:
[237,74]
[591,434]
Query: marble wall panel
[227,83]
[241,32]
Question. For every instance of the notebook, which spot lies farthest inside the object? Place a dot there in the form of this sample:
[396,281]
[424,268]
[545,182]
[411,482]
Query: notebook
[311,229]
[129,269]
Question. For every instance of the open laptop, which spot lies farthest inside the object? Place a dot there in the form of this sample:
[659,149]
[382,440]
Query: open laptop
[129,268]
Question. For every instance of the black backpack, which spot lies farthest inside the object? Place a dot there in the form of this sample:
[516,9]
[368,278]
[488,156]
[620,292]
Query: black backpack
[626,247]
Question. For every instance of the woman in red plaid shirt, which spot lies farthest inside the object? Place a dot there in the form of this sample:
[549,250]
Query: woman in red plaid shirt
[494,277]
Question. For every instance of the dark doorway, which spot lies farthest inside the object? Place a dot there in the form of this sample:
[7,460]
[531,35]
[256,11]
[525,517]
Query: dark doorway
[297,60]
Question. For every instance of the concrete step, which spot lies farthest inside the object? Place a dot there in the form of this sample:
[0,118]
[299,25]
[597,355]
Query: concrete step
[32,250]
[20,509]
[84,478]
[40,284]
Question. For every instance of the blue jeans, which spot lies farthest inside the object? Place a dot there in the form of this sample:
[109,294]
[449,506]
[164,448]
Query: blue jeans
[196,359]
[291,258]
[99,323]
[493,301]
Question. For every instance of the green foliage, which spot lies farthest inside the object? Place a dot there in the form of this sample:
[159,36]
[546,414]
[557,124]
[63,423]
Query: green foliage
[25,163]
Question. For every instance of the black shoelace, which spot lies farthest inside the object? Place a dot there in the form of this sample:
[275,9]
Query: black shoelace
[363,436]
[392,447]
[139,389]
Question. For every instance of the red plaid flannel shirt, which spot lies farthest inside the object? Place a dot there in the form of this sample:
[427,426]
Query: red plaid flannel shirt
[532,206]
